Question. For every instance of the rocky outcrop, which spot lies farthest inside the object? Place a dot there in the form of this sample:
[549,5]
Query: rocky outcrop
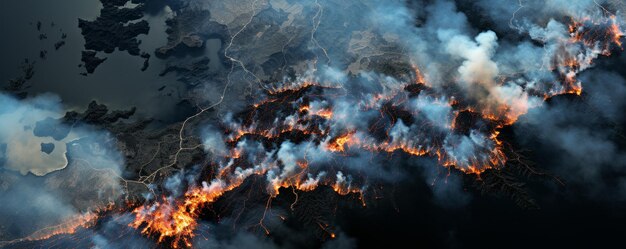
[91,61]
[116,27]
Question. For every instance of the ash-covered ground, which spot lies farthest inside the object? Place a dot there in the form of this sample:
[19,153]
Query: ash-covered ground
[312,124]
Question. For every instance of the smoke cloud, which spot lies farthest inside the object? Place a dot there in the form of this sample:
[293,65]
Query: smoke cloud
[44,187]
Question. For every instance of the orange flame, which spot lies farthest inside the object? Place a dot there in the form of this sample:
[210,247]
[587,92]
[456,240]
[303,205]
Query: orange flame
[338,144]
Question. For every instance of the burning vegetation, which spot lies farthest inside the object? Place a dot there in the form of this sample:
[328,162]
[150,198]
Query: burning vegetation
[311,132]
[299,135]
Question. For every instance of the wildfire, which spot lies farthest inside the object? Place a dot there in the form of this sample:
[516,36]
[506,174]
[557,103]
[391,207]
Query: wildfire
[69,226]
[338,144]
[597,33]
[176,220]
[323,112]
[419,77]
[316,123]
[292,87]
[617,32]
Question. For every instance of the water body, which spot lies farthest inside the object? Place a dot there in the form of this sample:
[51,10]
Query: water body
[118,82]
